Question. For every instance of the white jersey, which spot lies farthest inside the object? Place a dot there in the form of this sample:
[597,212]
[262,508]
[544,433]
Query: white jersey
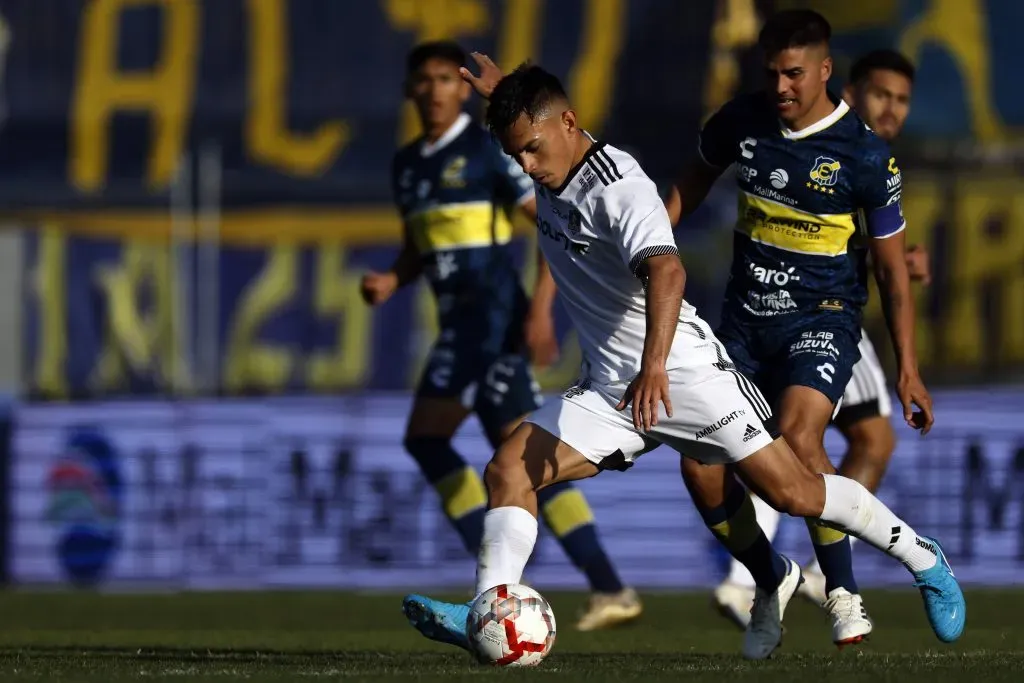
[595,231]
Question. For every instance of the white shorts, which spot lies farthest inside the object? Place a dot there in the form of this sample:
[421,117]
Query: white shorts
[719,417]
[867,394]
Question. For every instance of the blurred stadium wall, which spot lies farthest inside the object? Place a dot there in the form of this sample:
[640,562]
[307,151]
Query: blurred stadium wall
[191,190]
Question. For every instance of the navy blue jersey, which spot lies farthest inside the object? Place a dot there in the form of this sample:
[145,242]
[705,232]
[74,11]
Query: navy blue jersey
[455,197]
[807,200]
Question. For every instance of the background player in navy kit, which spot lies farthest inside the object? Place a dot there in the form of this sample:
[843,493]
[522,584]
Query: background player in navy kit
[811,175]
[454,188]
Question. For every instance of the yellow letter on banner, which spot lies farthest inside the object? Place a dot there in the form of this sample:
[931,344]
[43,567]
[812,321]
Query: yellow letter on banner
[50,284]
[251,365]
[146,342]
[101,90]
[267,135]
[989,248]
[337,295]
[592,79]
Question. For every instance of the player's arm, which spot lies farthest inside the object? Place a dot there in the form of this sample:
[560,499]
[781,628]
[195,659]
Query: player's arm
[690,188]
[636,220]
[377,288]
[665,280]
[716,147]
[885,226]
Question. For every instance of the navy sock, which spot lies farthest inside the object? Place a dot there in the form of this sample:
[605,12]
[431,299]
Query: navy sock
[835,557]
[567,513]
[460,487]
[734,523]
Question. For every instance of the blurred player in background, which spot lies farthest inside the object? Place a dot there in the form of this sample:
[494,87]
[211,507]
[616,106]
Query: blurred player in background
[811,177]
[879,90]
[454,188]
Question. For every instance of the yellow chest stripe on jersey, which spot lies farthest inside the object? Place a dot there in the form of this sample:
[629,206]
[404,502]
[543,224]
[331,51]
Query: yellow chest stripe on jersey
[459,226]
[785,227]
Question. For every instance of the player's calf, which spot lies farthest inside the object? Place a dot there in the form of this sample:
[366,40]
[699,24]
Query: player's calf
[871,445]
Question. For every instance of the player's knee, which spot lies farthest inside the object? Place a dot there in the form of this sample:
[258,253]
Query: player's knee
[872,443]
[506,476]
[799,497]
[806,441]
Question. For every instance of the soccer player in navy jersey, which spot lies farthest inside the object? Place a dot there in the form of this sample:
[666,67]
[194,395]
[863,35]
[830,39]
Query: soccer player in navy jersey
[812,177]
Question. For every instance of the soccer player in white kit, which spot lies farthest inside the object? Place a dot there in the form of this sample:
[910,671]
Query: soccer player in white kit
[653,373]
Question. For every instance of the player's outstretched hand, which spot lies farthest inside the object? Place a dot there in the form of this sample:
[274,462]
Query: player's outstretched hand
[377,288]
[539,330]
[912,393]
[645,392]
[919,264]
[490,74]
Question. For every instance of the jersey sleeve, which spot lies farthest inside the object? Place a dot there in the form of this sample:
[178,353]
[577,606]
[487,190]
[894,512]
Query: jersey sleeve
[718,138]
[634,217]
[879,193]
[512,184]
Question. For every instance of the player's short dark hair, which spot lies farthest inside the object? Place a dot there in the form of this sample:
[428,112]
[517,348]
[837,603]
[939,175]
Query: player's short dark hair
[447,50]
[528,90]
[793,28]
[884,60]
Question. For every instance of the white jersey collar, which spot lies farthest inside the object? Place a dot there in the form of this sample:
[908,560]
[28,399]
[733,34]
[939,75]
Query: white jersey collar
[455,130]
[841,109]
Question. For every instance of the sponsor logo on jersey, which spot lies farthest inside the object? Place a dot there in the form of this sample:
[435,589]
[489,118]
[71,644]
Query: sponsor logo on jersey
[895,180]
[453,174]
[769,193]
[714,427]
[772,303]
[831,305]
[818,343]
[771,276]
[824,174]
[759,218]
[779,178]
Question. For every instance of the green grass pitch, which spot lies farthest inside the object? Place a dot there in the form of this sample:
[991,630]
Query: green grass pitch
[304,636]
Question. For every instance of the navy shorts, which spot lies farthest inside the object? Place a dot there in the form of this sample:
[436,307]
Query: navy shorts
[499,388]
[816,350]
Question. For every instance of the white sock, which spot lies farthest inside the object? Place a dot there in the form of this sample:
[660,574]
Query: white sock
[768,519]
[509,536]
[851,507]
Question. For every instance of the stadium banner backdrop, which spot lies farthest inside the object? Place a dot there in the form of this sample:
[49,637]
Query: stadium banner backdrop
[301,101]
[317,492]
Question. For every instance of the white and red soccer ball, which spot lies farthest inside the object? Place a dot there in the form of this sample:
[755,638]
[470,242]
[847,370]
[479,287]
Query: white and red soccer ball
[511,625]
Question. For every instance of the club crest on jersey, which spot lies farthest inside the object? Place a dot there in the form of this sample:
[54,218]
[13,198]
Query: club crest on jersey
[824,174]
[454,172]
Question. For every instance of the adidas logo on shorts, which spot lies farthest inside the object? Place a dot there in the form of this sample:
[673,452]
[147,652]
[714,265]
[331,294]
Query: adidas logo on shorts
[750,432]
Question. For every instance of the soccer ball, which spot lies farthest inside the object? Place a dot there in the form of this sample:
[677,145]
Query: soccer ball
[511,625]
